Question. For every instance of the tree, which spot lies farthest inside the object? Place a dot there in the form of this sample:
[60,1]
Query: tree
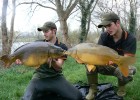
[63,8]
[4,28]
[86,7]
[132,18]
[12,25]
[7,39]
[63,15]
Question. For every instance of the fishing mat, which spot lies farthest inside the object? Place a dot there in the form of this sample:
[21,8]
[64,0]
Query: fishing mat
[106,91]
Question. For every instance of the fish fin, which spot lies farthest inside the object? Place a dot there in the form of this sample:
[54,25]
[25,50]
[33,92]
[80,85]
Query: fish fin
[79,60]
[90,67]
[124,62]
[127,60]
[6,59]
[36,67]
[50,62]
[125,70]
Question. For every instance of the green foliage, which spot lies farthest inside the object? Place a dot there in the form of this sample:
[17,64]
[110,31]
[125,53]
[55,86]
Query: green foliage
[14,80]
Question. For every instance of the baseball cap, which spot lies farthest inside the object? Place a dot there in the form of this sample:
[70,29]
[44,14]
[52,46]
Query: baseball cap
[47,26]
[108,18]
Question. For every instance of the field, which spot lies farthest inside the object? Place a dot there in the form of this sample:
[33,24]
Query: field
[14,80]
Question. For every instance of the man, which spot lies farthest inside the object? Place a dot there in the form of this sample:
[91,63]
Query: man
[121,41]
[50,79]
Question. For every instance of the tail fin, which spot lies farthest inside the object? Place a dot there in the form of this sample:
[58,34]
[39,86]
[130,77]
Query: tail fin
[6,60]
[124,62]
[128,60]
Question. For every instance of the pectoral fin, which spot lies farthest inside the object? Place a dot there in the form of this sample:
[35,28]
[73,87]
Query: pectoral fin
[79,60]
[50,63]
[90,67]
[36,67]
[124,70]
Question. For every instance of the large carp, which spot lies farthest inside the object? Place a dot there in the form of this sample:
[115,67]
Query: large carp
[92,54]
[33,54]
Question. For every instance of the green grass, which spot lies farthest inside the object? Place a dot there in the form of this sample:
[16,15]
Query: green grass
[14,80]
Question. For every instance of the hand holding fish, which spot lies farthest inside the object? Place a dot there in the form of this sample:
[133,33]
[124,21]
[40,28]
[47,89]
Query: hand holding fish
[110,62]
[18,62]
[57,63]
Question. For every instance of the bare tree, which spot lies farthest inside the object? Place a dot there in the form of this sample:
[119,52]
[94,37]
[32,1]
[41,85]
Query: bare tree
[12,26]
[7,39]
[63,15]
[103,6]
[63,9]
[4,28]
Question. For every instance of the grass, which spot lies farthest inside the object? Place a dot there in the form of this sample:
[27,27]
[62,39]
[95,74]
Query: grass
[14,80]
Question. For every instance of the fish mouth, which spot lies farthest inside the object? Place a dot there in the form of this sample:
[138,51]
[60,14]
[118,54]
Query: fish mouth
[66,52]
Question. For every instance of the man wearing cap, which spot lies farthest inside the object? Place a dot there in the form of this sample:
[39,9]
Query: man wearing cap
[121,41]
[50,79]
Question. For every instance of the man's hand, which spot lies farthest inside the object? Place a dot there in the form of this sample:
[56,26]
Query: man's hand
[110,63]
[57,64]
[18,62]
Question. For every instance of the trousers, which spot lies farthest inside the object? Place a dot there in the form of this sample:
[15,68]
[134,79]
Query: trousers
[107,70]
[58,85]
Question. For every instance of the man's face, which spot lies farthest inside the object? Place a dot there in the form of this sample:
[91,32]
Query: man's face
[49,35]
[112,28]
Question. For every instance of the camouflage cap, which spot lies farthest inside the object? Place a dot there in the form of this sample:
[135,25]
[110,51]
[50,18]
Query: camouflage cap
[47,26]
[108,18]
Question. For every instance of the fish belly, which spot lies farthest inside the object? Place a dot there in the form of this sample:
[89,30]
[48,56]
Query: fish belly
[93,59]
[34,60]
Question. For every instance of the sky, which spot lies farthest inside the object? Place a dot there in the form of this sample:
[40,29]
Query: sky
[38,19]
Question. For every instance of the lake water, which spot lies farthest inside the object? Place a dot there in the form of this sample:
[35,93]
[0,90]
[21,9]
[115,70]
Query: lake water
[15,45]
